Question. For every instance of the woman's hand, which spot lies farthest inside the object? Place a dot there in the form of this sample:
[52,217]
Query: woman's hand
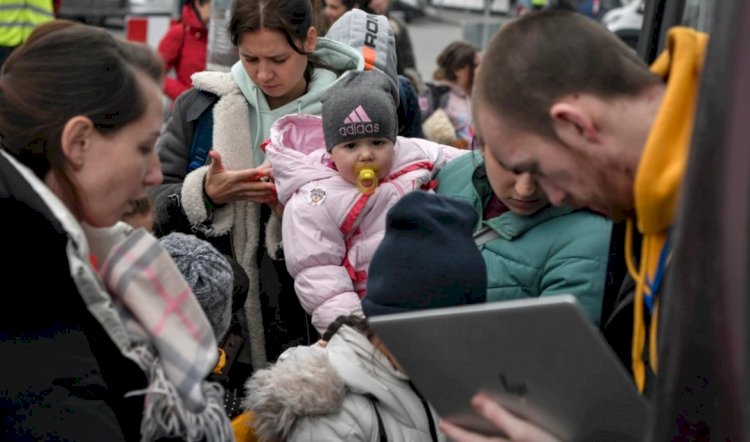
[516,429]
[224,186]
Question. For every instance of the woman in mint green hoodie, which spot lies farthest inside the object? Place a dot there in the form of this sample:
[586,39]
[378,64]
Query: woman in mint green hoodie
[534,248]
[217,184]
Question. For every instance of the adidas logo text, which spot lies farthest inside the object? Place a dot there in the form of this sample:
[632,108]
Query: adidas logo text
[359,129]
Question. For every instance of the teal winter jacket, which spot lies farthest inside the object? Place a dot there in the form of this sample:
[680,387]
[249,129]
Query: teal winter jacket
[555,251]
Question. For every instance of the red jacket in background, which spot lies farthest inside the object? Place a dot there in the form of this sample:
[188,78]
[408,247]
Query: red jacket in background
[183,48]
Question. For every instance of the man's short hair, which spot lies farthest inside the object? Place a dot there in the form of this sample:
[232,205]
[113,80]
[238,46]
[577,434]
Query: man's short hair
[541,57]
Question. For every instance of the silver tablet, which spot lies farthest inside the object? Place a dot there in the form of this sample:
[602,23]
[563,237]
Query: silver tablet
[540,357]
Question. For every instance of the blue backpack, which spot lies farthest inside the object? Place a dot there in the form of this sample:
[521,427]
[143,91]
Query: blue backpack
[431,98]
[203,135]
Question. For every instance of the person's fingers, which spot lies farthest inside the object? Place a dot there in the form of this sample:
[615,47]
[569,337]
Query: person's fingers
[216,165]
[259,196]
[265,200]
[251,175]
[260,186]
[515,428]
[491,410]
[458,434]
[262,173]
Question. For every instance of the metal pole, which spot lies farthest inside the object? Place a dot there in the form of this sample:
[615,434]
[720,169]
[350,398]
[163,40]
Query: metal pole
[486,23]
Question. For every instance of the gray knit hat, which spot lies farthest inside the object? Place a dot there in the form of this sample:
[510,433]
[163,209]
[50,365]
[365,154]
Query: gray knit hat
[360,105]
[208,273]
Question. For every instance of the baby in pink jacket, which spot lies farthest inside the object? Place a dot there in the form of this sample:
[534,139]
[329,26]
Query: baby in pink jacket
[331,227]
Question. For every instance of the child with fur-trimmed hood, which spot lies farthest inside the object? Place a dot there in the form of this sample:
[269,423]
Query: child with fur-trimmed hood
[331,391]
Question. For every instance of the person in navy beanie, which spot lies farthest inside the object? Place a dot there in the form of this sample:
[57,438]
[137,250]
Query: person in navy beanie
[427,259]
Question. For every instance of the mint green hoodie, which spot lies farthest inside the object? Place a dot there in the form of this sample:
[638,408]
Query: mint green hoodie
[338,56]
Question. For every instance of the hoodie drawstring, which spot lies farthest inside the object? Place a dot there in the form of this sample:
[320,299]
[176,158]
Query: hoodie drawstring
[257,135]
[646,295]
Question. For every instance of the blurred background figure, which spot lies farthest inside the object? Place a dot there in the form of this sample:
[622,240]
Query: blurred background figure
[334,9]
[406,64]
[320,22]
[446,102]
[183,47]
[18,19]
[595,9]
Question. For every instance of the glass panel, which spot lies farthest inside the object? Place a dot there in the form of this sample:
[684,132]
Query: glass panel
[698,14]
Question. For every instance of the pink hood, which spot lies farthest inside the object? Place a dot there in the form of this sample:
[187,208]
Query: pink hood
[297,152]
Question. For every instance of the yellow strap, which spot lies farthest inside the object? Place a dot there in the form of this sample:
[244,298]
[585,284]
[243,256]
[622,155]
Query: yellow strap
[629,225]
[654,338]
[221,363]
[639,328]
[242,426]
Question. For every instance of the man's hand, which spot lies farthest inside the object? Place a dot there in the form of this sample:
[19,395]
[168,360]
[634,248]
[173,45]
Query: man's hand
[224,186]
[516,429]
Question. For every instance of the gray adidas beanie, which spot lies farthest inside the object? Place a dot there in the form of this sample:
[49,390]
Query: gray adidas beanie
[207,273]
[362,104]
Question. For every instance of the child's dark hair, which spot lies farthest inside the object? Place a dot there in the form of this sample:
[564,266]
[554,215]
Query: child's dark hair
[356,322]
[141,206]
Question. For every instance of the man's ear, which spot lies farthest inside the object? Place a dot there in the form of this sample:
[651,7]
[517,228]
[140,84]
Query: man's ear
[573,124]
[76,140]
[311,41]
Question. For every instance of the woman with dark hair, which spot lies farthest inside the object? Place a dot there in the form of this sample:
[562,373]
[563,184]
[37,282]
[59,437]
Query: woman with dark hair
[80,113]
[284,68]
[451,92]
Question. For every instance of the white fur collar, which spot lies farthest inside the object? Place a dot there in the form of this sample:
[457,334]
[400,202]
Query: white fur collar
[218,83]
[302,383]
